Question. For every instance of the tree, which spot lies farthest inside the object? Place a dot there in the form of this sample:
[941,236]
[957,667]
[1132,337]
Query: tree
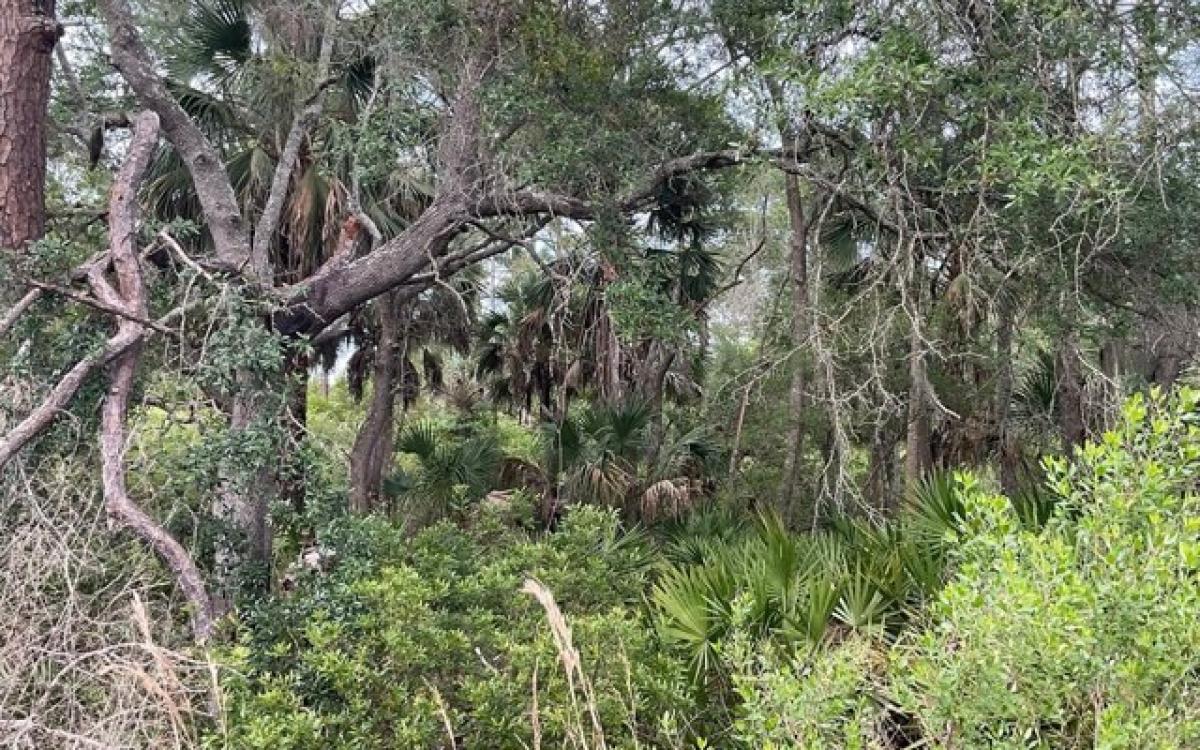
[28,33]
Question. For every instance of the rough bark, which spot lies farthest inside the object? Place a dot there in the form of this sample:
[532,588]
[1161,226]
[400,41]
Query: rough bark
[373,445]
[797,392]
[28,33]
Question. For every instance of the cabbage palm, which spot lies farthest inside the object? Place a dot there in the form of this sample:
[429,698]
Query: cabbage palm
[449,474]
[600,457]
[225,69]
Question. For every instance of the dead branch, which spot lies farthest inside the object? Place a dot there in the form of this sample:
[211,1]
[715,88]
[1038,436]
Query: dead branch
[97,304]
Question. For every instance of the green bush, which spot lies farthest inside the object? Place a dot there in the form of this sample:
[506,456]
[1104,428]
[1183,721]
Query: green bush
[1083,635]
[407,640]
[819,700]
[1075,630]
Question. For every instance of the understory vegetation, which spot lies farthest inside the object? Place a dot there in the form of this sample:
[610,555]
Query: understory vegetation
[972,619]
[599,374]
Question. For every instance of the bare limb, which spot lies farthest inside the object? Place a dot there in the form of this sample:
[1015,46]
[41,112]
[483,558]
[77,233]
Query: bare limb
[122,511]
[184,258]
[218,201]
[16,311]
[102,306]
[310,112]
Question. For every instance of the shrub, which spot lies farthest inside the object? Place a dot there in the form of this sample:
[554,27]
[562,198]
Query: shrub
[824,698]
[1084,634]
[408,642]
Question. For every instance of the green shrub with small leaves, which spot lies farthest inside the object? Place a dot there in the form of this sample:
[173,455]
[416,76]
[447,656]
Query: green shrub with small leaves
[427,641]
[1072,627]
[1083,634]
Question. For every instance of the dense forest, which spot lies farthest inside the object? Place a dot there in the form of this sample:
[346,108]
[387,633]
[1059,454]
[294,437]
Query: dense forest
[591,374]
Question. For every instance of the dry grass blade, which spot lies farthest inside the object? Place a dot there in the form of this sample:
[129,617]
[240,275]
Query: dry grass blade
[577,681]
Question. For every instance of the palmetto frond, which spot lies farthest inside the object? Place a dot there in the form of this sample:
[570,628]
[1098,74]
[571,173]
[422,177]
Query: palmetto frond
[215,41]
[418,439]
[666,498]
[1035,393]
[935,506]
[682,211]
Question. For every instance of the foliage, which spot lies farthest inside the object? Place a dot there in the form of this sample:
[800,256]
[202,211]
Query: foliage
[717,319]
[405,640]
[796,590]
[1079,635]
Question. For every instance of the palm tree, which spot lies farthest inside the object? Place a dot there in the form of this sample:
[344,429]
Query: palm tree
[600,457]
[450,475]
[514,345]
[227,70]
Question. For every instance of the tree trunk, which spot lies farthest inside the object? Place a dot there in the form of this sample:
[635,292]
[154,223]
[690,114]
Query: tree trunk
[798,245]
[1002,403]
[28,33]
[651,379]
[918,455]
[878,490]
[373,445]
[292,478]
[831,470]
[735,450]
[243,500]
[1069,391]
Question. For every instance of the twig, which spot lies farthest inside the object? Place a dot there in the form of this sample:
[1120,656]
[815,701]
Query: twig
[94,303]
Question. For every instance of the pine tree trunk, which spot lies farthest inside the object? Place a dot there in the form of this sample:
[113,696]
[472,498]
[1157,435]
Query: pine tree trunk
[28,33]
[798,245]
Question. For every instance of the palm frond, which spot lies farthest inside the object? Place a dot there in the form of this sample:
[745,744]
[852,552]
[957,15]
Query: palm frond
[418,439]
[215,41]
